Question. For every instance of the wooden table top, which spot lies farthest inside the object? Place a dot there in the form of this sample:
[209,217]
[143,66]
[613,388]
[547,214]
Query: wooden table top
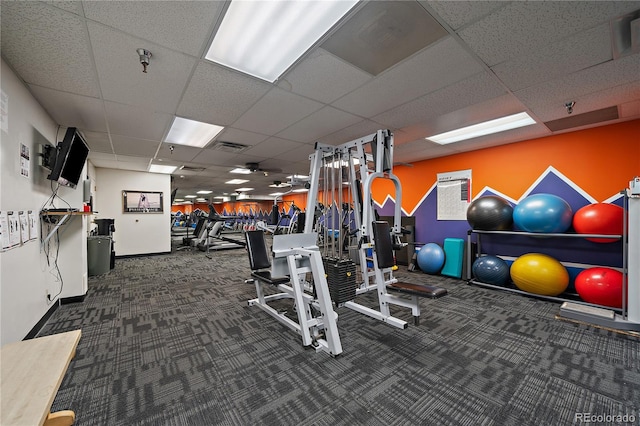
[30,374]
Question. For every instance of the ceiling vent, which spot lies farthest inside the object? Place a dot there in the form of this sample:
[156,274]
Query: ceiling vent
[586,119]
[193,169]
[625,34]
[229,146]
[383,33]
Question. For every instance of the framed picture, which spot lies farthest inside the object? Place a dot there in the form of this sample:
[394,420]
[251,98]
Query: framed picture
[142,202]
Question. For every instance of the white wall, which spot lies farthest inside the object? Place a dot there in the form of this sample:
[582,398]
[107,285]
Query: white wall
[25,276]
[136,233]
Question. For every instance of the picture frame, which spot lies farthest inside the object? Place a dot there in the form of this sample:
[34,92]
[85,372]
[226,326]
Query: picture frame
[142,202]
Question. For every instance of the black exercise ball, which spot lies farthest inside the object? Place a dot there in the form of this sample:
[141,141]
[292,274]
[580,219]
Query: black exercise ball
[490,213]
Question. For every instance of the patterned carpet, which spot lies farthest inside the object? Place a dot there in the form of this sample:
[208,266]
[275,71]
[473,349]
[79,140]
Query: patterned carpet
[170,340]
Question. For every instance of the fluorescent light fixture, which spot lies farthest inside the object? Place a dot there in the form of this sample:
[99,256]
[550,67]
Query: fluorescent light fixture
[219,197]
[157,168]
[191,133]
[276,194]
[237,181]
[190,196]
[280,185]
[201,199]
[300,190]
[204,192]
[264,38]
[176,200]
[486,128]
[298,177]
[244,189]
[241,170]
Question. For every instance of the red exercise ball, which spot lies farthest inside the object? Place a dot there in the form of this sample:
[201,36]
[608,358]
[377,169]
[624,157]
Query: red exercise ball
[601,286]
[599,218]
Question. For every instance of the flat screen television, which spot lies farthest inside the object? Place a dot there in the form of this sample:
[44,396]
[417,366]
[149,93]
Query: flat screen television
[71,155]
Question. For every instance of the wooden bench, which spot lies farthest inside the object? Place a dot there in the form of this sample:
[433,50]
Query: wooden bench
[30,374]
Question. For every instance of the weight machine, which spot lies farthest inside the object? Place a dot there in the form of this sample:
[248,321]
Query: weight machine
[373,156]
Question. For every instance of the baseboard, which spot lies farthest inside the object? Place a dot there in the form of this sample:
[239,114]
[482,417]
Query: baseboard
[128,256]
[74,299]
[36,328]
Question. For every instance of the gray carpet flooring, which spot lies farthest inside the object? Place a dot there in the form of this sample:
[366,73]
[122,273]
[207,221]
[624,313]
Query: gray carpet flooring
[170,340]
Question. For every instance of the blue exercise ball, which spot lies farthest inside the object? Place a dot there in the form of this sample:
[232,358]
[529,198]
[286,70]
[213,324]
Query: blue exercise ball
[491,270]
[431,258]
[543,213]
[490,213]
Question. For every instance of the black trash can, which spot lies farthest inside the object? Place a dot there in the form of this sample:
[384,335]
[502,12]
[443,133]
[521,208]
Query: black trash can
[98,255]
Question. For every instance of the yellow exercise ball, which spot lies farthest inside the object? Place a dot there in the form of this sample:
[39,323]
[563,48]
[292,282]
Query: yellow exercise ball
[539,273]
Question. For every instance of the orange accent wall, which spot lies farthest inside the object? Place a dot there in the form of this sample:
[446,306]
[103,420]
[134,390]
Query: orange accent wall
[601,161]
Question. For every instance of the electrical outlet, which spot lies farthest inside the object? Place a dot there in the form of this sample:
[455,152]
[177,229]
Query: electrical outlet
[47,294]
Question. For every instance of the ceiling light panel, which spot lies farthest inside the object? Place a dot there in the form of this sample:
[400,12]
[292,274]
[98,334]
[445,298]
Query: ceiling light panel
[264,38]
[486,128]
[156,168]
[237,181]
[191,133]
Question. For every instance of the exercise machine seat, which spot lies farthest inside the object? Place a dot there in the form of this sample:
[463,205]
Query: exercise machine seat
[259,258]
[385,259]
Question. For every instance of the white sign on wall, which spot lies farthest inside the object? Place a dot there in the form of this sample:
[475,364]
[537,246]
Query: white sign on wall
[454,195]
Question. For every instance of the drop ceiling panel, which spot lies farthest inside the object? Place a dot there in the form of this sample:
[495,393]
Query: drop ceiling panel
[323,77]
[383,33]
[358,130]
[179,153]
[550,22]
[180,25]
[98,142]
[121,76]
[136,167]
[272,148]
[630,109]
[123,145]
[61,62]
[477,88]
[509,136]
[438,66]
[547,100]
[98,156]
[460,13]
[276,111]
[136,122]
[229,134]
[570,55]
[219,96]
[212,157]
[300,154]
[322,122]
[70,6]
[70,110]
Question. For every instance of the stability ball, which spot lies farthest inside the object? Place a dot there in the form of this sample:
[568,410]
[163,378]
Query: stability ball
[599,218]
[539,273]
[491,270]
[601,286]
[543,213]
[490,213]
[431,258]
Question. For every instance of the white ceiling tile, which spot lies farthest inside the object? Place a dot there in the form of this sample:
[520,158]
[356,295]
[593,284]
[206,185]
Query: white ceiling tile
[136,122]
[276,111]
[62,62]
[322,122]
[181,25]
[213,157]
[133,159]
[98,141]
[121,76]
[137,167]
[547,100]
[212,83]
[435,67]
[300,154]
[363,128]
[323,77]
[72,6]
[179,153]
[70,110]
[573,54]
[123,145]
[550,21]
[107,164]
[97,156]
[229,134]
[630,109]
[478,88]
[460,13]
[272,148]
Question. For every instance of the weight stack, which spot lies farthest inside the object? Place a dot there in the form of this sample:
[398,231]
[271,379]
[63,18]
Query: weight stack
[341,278]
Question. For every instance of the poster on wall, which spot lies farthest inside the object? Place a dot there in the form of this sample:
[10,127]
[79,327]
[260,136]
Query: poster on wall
[33,224]
[454,195]
[142,202]
[24,226]
[25,162]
